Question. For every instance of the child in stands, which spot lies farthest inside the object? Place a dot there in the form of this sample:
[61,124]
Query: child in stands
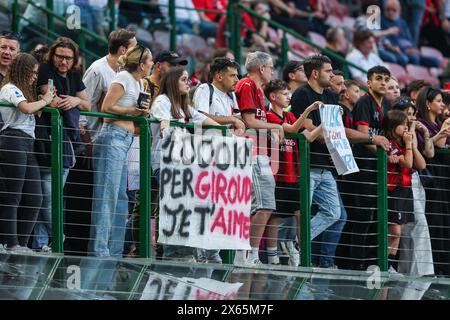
[286,173]
[401,161]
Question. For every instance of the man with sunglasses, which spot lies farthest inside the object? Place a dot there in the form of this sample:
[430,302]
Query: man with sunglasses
[9,48]
[294,75]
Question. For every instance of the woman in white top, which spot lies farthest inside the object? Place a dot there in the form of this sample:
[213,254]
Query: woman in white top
[21,197]
[172,104]
[110,203]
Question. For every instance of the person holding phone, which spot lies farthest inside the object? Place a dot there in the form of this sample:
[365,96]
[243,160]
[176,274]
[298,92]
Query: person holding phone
[22,197]
[71,98]
[111,146]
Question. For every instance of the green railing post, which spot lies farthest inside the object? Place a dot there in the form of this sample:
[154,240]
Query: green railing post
[305,202]
[230,26]
[382,205]
[237,35]
[81,41]
[57,181]
[145,189]
[112,15]
[173,24]
[50,21]
[284,50]
[15,16]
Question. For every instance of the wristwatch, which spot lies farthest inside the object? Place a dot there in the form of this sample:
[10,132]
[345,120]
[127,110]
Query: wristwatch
[370,138]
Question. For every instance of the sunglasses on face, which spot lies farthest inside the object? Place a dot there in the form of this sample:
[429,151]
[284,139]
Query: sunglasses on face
[140,46]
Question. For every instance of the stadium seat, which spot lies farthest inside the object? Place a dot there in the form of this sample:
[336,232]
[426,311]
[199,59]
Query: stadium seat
[317,39]
[400,73]
[419,72]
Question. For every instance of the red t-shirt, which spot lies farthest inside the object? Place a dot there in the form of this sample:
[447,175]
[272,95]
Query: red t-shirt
[221,39]
[219,5]
[398,176]
[288,155]
[250,99]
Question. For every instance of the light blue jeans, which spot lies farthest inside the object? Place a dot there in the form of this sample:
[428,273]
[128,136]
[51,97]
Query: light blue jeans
[110,200]
[331,237]
[325,193]
[43,226]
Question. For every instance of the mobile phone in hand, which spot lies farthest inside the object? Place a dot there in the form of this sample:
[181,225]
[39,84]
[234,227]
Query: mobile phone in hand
[50,85]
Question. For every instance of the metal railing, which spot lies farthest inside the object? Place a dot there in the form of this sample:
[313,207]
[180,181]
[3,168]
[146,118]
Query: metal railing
[145,187]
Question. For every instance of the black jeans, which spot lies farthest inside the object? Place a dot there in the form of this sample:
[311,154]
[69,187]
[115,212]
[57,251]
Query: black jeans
[21,199]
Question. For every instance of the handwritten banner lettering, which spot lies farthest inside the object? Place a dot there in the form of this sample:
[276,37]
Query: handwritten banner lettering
[336,140]
[205,191]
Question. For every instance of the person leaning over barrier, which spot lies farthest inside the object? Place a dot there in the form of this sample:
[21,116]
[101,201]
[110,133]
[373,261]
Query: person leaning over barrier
[403,156]
[415,254]
[21,200]
[368,115]
[70,100]
[109,208]
[250,97]
[172,104]
[217,101]
[287,187]
[163,62]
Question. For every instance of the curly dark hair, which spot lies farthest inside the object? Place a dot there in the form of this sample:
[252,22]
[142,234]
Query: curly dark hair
[20,72]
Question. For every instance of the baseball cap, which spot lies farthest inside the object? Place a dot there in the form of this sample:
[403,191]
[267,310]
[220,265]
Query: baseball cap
[291,67]
[170,56]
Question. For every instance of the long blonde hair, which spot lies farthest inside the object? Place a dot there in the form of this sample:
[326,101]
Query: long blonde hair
[134,56]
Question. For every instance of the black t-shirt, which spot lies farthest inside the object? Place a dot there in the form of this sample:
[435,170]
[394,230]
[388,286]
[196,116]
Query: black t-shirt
[347,117]
[70,85]
[302,98]
[369,113]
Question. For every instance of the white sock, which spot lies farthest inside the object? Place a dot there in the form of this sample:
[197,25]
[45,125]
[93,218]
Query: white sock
[272,256]
[254,254]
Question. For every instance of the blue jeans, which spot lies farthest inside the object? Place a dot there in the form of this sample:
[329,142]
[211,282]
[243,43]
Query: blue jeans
[389,56]
[331,237]
[325,193]
[110,200]
[204,255]
[287,229]
[43,226]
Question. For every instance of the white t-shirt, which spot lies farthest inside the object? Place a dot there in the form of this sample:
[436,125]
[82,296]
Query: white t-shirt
[359,59]
[97,79]
[223,104]
[160,110]
[131,86]
[181,13]
[12,117]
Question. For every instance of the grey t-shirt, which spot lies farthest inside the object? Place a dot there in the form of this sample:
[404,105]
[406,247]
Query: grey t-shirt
[12,117]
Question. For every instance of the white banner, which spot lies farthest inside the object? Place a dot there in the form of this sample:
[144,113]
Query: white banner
[205,191]
[167,287]
[336,140]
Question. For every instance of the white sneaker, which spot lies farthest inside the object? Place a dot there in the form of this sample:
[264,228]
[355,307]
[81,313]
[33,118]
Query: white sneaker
[275,261]
[21,250]
[294,254]
[394,272]
[240,257]
[2,249]
[46,249]
[254,262]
